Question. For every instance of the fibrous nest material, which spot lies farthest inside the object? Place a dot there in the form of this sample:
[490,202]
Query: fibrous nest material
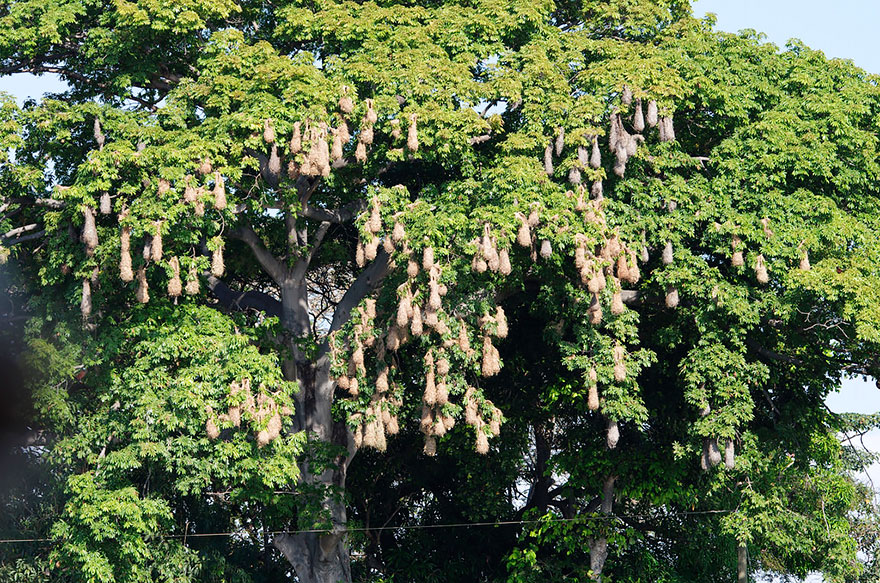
[218,267]
[85,305]
[711,454]
[560,140]
[175,286]
[617,306]
[651,115]
[546,249]
[523,235]
[295,146]
[125,272]
[671,296]
[99,134]
[619,353]
[491,364]
[667,256]
[220,191]
[737,259]
[612,434]
[346,104]
[729,454]
[548,159]
[143,294]
[90,233]
[593,396]
[106,206]
[804,264]
[156,243]
[412,135]
[761,270]
[638,117]
[268,132]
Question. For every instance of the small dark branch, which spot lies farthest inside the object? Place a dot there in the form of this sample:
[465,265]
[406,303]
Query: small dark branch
[270,264]
[270,178]
[368,280]
[770,354]
[489,106]
[317,239]
[233,300]
[306,188]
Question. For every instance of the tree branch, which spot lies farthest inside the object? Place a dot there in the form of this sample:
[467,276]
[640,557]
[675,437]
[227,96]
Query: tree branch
[270,264]
[18,231]
[22,239]
[338,216]
[368,280]
[233,300]
[770,354]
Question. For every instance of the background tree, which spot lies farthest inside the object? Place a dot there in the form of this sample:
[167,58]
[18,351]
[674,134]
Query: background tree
[293,233]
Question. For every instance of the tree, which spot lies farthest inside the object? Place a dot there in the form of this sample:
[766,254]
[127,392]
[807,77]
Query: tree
[339,211]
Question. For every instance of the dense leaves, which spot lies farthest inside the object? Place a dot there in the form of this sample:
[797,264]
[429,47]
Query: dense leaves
[250,241]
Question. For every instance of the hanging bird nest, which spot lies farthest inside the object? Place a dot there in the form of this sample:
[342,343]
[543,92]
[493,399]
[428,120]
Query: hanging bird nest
[175,287]
[218,268]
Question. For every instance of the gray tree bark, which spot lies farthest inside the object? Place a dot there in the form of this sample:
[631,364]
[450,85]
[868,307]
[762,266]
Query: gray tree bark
[599,545]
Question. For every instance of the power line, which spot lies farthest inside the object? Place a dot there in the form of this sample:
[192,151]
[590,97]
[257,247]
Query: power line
[421,526]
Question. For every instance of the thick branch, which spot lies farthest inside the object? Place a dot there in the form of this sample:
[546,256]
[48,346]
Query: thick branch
[233,300]
[36,235]
[302,264]
[338,216]
[18,231]
[365,284]
[270,264]
[770,354]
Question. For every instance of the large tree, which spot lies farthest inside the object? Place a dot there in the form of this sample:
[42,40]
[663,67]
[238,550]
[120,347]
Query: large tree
[253,239]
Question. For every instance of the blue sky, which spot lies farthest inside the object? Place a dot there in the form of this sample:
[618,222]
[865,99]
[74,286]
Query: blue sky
[841,29]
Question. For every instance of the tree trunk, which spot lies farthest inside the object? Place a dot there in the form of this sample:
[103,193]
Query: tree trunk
[742,564]
[316,557]
[599,546]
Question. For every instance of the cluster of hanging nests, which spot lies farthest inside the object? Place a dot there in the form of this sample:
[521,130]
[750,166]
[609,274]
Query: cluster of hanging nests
[318,145]
[419,312]
[262,410]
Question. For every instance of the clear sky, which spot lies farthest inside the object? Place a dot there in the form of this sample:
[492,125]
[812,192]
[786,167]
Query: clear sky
[842,28]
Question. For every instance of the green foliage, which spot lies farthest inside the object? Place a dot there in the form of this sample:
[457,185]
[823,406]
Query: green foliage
[775,157]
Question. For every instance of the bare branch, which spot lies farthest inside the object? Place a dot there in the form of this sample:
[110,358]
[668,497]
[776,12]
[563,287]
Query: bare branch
[270,264]
[233,300]
[18,231]
[36,235]
[368,280]
[338,216]
[770,354]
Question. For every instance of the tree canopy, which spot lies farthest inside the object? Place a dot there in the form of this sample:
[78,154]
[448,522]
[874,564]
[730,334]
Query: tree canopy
[416,291]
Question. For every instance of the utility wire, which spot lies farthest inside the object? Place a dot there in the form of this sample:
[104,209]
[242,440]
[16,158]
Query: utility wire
[421,526]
